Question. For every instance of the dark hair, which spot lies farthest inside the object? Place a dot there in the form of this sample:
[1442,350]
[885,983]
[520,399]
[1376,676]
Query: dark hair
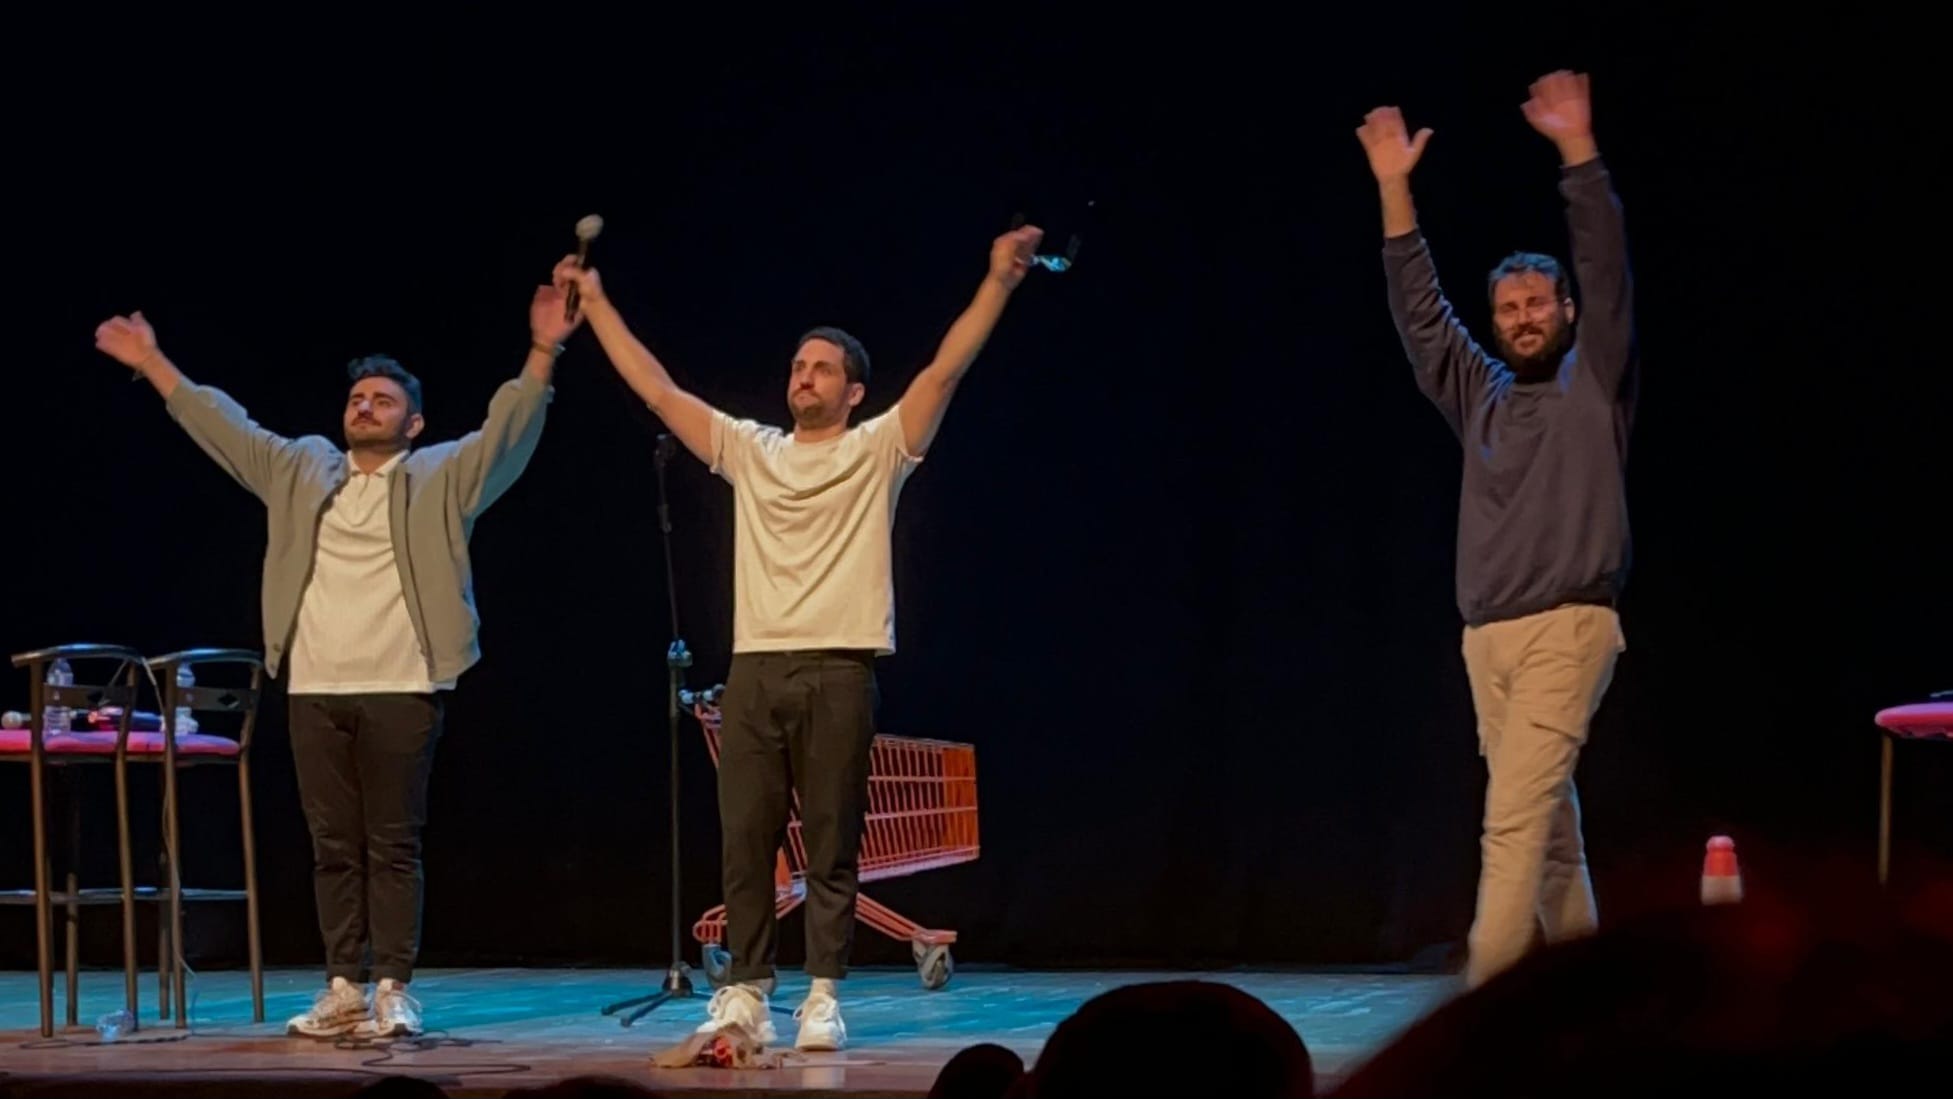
[1522,263]
[382,366]
[854,357]
[983,1070]
[1259,1052]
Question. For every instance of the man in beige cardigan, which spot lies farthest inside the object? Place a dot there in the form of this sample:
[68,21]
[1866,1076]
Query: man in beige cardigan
[369,613]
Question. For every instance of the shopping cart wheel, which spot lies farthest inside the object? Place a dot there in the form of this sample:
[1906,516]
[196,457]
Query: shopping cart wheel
[934,965]
[718,965]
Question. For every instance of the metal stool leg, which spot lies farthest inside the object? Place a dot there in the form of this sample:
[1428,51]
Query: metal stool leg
[71,788]
[1885,810]
[162,940]
[251,890]
[43,908]
[173,858]
[162,965]
[127,865]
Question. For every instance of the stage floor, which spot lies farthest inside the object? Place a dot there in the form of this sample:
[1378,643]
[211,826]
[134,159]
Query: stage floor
[493,1030]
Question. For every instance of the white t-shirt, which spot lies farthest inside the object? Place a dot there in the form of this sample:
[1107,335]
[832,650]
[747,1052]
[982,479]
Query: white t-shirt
[811,538]
[353,635]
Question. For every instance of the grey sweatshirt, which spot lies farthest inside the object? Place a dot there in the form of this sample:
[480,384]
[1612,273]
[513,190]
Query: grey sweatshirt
[1542,511]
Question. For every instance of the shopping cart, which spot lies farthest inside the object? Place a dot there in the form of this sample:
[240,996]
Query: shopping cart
[922,814]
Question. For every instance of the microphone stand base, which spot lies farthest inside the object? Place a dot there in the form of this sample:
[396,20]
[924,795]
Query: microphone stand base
[677,986]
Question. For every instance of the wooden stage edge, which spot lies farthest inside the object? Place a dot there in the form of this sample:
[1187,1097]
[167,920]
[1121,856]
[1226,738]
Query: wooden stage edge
[494,1031]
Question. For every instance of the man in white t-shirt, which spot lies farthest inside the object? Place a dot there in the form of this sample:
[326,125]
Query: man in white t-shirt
[813,605]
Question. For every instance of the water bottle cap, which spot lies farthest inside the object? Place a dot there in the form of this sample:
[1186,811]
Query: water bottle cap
[1719,861]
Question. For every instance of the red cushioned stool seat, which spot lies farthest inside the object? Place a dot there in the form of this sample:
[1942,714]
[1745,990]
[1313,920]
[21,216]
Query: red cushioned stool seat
[1922,719]
[17,742]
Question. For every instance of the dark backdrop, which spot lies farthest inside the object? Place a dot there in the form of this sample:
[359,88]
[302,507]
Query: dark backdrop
[1180,564]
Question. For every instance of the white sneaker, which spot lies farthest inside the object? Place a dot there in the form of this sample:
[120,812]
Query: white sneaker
[821,1028]
[395,1013]
[744,1006]
[336,1010]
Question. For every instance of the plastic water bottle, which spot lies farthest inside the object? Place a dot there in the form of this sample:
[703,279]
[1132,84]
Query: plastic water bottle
[1722,878]
[114,1025]
[186,722]
[56,720]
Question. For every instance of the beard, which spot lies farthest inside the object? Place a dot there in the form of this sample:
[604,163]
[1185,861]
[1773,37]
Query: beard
[1543,362]
[814,413]
[369,436]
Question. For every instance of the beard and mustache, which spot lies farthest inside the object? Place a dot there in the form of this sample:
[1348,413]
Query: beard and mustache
[1556,338]
[810,413]
[364,434]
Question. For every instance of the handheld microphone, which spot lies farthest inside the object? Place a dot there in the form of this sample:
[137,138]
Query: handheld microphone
[586,231]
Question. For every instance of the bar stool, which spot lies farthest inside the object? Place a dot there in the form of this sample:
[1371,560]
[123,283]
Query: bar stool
[1917,721]
[55,754]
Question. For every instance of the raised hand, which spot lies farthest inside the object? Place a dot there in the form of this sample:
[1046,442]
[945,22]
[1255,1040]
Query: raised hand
[128,340]
[589,285]
[1392,152]
[1010,255]
[546,323]
[1561,109]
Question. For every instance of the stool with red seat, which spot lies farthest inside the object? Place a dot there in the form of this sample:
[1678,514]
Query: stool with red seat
[176,752]
[57,752]
[1918,721]
[119,747]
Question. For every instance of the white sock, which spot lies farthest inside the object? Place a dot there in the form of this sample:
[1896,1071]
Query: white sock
[824,986]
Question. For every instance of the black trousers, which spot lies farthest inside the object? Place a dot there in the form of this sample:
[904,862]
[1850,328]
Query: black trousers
[363,763]
[794,723]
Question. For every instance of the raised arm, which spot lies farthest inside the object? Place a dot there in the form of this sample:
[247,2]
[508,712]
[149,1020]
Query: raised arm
[1392,155]
[927,397]
[1449,365]
[1561,109]
[218,425]
[689,418]
[489,459]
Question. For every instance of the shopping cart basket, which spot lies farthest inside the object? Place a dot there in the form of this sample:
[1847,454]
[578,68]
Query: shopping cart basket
[922,814]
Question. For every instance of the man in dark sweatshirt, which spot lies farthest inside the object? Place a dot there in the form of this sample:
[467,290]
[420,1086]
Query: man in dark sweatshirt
[1542,512]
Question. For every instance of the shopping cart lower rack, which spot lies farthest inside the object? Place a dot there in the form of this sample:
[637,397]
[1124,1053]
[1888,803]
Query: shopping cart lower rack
[922,814]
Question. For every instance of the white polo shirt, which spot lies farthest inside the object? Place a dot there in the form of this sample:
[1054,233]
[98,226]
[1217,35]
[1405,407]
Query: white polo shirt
[353,634]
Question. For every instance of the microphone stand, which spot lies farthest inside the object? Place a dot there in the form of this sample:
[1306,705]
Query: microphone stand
[678,978]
